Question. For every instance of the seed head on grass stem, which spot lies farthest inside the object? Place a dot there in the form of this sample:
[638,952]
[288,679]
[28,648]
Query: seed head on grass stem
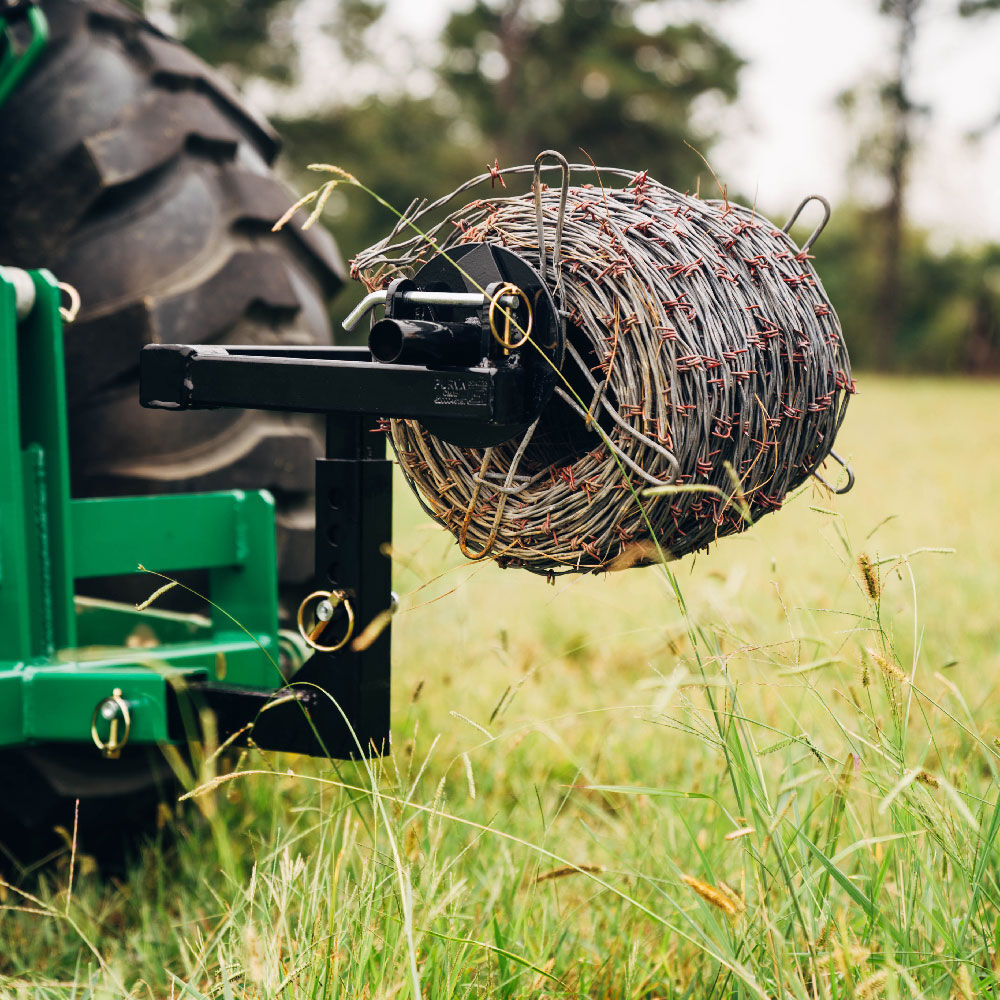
[718,899]
[889,669]
[869,576]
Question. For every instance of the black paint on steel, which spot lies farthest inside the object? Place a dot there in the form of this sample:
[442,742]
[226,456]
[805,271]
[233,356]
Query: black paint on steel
[486,268]
[415,341]
[184,377]
[337,703]
[236,709]
[353,534]
[349,716]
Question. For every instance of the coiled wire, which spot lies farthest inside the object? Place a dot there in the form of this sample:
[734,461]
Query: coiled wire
[704,359]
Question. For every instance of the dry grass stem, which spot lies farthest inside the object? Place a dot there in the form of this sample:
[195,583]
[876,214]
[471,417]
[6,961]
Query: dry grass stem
[565,870]
[869,576]
[720,900]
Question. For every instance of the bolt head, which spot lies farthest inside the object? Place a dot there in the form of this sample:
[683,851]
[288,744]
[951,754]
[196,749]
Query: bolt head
[109,710]
[324,611]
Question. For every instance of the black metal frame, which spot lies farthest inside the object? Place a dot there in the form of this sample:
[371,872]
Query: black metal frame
[339,701]
[325,380]
[340,707]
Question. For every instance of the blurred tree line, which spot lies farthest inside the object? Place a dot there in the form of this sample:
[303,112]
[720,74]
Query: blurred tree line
[624,81]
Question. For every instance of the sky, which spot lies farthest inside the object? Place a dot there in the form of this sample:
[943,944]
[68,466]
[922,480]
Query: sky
[804,52]
[785,138]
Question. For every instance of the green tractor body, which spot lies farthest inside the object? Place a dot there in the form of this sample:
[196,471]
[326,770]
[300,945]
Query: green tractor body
[62,656]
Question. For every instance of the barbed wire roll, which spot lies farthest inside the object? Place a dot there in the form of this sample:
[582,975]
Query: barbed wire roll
[703,354]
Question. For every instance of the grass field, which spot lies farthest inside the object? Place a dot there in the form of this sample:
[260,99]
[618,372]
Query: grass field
[759,776]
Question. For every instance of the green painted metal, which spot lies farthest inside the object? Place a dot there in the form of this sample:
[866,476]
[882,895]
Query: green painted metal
[61,655]
[15,61]
[173,533]
[57,699]
[44,426]
[36,591]
[169,534]
[20,636]
[245,596]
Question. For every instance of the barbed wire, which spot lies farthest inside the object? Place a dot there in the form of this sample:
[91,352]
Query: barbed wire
[703,356]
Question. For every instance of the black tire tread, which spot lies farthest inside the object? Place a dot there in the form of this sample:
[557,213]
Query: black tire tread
[90,203]
[133,171]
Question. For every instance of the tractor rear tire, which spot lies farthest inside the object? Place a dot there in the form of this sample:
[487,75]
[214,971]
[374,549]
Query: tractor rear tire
[133,172]
[121,802]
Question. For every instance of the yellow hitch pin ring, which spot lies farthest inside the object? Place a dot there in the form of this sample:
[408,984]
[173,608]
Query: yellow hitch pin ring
[328,602]
[504,341]
[111,709]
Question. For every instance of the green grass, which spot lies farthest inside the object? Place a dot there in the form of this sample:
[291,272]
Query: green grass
[571,762]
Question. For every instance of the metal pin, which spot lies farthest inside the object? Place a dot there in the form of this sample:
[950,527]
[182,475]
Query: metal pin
[373,299]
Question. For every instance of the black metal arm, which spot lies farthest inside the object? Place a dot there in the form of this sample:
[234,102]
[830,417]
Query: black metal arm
[326,380]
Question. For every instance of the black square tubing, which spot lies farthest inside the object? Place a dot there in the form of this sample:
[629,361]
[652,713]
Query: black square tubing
[327,380]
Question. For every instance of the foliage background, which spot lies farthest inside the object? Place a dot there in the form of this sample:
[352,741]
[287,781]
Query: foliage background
[510,77]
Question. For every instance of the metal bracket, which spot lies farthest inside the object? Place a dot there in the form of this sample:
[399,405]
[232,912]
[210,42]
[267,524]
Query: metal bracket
[838,490]
[815,235]
[336,704]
